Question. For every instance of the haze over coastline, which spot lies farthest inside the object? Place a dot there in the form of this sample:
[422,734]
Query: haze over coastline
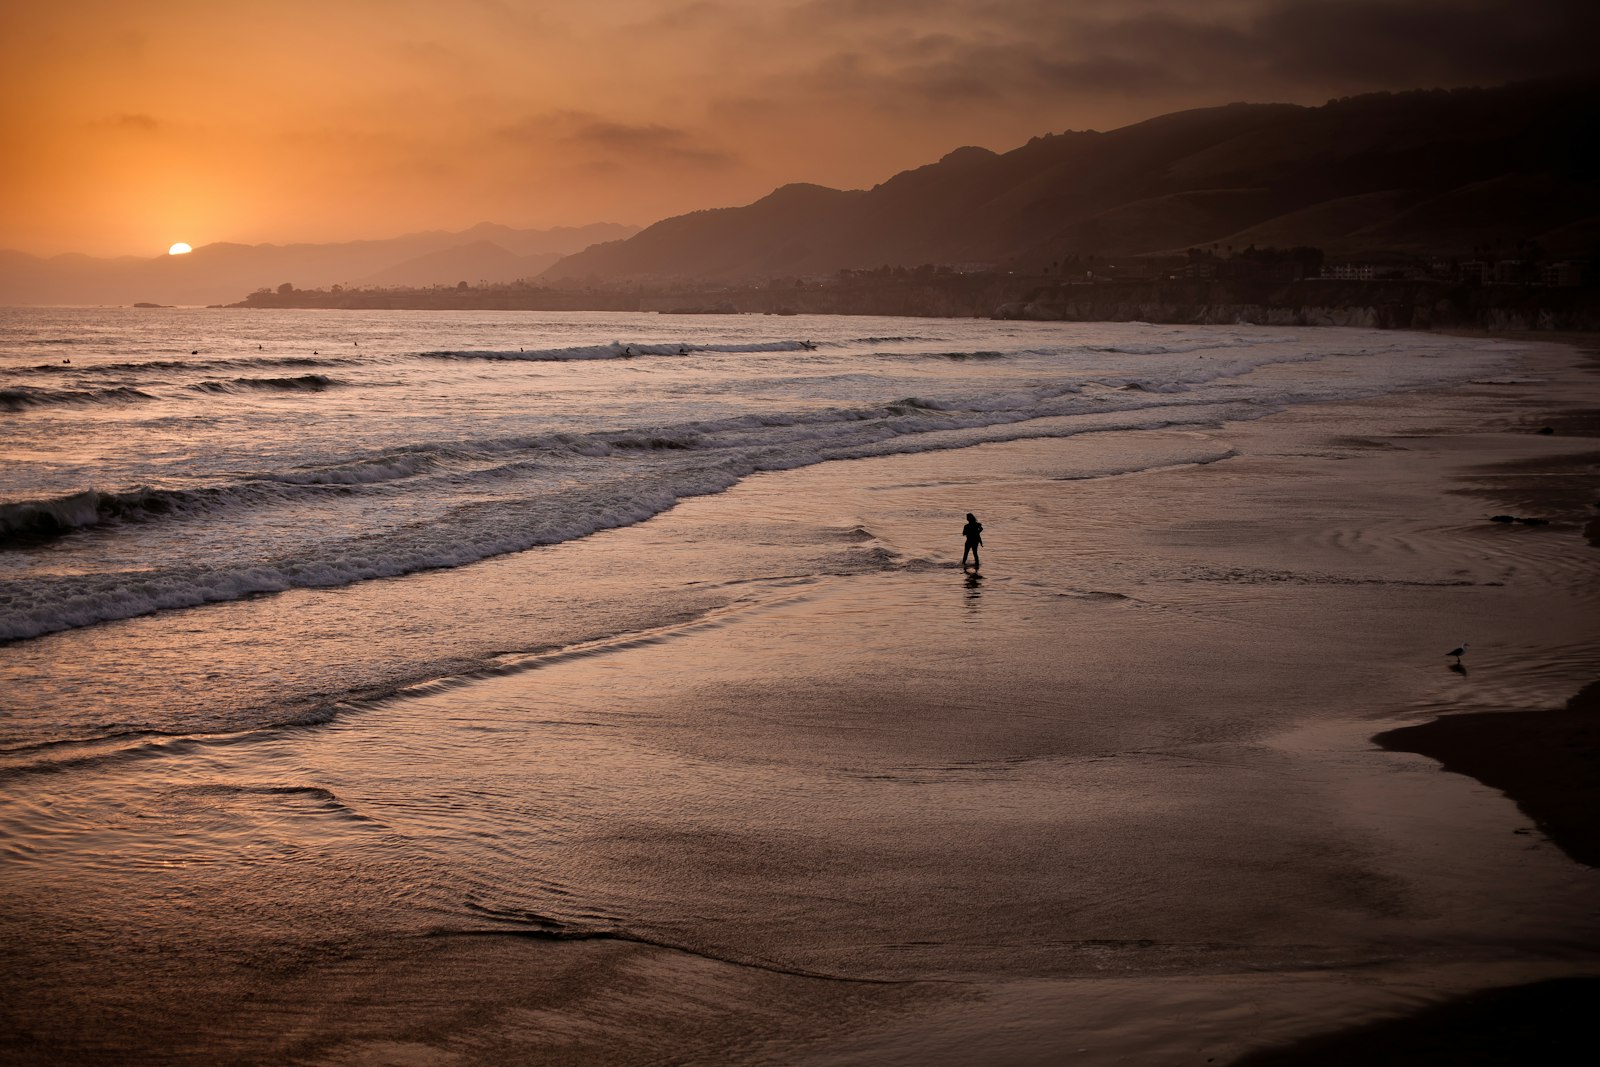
[1466,186]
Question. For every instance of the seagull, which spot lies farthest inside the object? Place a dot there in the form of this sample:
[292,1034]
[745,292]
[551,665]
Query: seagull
[1458,652]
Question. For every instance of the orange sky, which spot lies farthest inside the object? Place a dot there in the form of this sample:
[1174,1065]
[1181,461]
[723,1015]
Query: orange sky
[130,125]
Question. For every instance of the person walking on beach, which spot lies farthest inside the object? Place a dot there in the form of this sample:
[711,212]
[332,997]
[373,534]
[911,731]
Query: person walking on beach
[973,532]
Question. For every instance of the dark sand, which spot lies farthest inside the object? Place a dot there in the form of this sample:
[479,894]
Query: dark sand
[1548,1022]
[1546,761]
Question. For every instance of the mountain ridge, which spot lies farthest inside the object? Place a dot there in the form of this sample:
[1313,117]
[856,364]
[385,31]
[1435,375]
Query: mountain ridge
[1423,172]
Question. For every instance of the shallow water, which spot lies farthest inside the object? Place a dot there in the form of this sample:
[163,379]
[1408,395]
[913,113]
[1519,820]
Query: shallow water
[273,452]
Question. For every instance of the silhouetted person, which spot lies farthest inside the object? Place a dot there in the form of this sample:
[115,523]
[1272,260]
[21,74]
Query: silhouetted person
[973,532]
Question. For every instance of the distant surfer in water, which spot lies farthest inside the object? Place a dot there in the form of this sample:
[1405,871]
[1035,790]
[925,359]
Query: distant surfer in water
[973,532]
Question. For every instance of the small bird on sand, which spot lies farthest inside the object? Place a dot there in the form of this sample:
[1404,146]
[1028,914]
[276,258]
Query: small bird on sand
[1458,652]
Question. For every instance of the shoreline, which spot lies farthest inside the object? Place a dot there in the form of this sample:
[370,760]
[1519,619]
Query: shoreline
[1546,761]
[1542,759]
[1538,1023]
[896,815]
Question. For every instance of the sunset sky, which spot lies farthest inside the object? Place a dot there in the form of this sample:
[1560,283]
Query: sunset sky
[132,124]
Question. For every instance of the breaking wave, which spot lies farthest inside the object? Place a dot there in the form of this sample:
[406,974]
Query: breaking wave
[23,397]
[617,350]
[627,476]
[229,363]
[1188,344]
[31,522]
[304,383]
[432,492]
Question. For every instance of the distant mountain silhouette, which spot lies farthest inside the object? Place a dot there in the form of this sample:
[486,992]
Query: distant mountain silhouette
[480,261]
[1425,172]
[222,272]
[769,236]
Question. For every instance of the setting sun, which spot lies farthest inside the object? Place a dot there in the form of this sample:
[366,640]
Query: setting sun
[179,249]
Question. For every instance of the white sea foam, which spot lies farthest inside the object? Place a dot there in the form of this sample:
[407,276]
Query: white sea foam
[617,350]
[152,366]
[303,383]
[477,531]
[22,398]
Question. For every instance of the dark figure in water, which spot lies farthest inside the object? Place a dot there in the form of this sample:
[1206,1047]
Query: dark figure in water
[973,532]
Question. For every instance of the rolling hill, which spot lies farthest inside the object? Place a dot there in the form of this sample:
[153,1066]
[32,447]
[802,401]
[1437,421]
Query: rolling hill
[1423,173]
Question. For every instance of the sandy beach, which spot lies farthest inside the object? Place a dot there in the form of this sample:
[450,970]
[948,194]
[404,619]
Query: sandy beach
[1114,798]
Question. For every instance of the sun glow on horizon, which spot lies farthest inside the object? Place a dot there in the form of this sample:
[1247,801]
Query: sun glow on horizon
[179,249]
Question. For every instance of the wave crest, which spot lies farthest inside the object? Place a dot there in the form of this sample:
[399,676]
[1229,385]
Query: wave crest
[24,397]
[616,350]
[304,383]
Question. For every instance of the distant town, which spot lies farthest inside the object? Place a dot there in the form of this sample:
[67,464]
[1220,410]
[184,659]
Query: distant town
[1514,288]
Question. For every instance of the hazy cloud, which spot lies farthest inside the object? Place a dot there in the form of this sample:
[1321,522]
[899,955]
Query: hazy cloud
[866,10]
[1482,41]
[982,52]
[306,120]
[130,123]
[603,143]
[692,16]
[652,142]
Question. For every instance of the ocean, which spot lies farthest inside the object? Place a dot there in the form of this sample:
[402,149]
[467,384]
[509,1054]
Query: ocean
[489,687]
[159,460]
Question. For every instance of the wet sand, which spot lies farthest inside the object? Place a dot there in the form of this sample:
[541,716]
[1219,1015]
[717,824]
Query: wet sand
[1546,761]
[1545,1022]
[1113,799]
